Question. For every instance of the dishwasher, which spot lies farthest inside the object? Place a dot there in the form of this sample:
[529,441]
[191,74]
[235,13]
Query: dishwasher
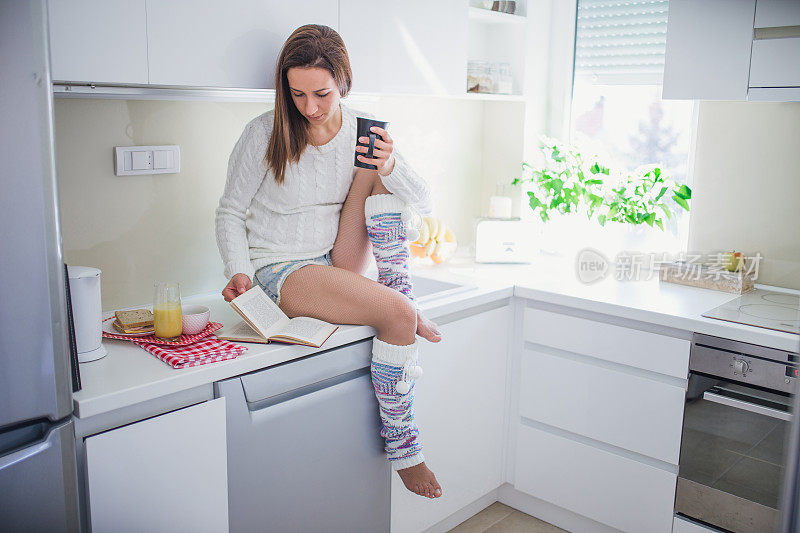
[304,447]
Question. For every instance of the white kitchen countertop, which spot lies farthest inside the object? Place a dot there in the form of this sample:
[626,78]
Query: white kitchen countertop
[129,375]
[649,300]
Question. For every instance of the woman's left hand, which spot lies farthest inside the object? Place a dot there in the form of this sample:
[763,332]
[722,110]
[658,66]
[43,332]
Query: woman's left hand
[383,159]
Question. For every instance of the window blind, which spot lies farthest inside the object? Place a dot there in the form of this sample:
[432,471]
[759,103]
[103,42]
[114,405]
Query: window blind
[619,42]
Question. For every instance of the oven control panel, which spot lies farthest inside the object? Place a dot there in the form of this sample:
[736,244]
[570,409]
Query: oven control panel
[745,363]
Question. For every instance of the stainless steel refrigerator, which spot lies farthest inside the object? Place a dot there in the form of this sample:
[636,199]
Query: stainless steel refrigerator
[38,476]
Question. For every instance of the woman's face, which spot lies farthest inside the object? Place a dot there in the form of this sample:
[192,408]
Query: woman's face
[314,92]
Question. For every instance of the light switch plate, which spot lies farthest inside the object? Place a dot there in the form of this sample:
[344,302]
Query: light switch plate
[130,160]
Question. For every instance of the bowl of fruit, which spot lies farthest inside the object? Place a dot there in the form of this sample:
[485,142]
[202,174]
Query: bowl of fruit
[436,240]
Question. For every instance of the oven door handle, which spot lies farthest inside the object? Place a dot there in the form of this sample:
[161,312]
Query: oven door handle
[747,406]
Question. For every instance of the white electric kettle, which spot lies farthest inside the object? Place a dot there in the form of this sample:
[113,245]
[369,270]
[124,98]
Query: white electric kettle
[87,313]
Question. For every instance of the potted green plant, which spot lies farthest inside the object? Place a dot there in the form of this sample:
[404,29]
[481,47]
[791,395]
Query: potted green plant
[568,182]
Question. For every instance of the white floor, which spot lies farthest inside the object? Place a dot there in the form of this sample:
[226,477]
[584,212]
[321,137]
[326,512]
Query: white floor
[499,518]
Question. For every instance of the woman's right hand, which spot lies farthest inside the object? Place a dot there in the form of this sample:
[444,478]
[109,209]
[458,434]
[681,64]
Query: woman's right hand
[239,284]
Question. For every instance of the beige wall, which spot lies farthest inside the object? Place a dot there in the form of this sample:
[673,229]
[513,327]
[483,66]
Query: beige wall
[746,185]
[140,229]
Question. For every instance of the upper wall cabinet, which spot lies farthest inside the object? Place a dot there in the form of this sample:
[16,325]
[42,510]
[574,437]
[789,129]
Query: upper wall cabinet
[708,49]
[775,61]
[777,13]
[733,50]
[225,44]
[101,41]
[413,46]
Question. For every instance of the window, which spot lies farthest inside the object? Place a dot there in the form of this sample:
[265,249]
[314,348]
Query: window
[617,111]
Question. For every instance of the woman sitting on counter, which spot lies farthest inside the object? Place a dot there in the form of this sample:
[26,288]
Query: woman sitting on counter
[313,217]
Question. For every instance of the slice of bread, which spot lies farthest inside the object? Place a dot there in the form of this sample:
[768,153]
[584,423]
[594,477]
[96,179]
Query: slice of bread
[135,318]
[144,329]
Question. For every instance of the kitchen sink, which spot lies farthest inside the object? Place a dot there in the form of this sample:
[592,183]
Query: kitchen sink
[429,289]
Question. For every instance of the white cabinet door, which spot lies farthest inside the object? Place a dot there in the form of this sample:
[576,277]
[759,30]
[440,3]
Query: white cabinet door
[776,63]
[777,13]
[620,492]
[708,49]
[413,46]
[102,41]
[167,473]
[225,44]
[610,405]
[459,406]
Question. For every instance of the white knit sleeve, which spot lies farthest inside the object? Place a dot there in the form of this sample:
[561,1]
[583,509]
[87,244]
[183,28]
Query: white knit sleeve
[408,185]
[245,173]
[404,182]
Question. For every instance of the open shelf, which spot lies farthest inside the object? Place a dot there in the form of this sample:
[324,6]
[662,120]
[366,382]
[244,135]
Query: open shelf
[487,16]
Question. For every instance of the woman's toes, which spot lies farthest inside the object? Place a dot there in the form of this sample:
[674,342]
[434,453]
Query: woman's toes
[427,329]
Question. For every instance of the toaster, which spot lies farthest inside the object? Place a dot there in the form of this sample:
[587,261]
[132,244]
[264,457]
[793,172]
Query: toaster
[504,241]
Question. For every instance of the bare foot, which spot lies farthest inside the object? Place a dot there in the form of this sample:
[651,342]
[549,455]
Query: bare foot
[427,329]
[420,480]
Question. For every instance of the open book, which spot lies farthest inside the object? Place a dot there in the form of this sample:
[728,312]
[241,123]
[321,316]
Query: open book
[264,322]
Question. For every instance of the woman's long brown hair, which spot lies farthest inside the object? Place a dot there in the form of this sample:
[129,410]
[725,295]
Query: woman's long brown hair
[312,45]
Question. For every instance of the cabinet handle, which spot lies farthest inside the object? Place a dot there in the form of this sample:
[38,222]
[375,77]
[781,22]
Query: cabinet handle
[776,33]
[747,406]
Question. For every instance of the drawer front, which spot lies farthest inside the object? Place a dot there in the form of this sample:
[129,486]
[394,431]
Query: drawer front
[775,63]
[632,347]
[605,487]
[632,412]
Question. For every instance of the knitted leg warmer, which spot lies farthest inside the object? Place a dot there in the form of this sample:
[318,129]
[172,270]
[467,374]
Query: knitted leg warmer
[387,217]
[393,371]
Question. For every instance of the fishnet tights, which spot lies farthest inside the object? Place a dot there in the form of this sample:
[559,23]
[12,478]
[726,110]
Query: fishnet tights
[339,293]
[351,249]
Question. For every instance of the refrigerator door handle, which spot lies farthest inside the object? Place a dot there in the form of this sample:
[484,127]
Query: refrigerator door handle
[25,453]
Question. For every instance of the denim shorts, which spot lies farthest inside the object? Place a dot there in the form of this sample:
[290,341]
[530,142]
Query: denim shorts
[271,277]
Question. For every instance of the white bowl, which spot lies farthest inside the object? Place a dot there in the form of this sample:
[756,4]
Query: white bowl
[195,318]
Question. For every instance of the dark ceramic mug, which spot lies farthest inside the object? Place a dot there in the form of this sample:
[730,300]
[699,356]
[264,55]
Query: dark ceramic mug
[364,124]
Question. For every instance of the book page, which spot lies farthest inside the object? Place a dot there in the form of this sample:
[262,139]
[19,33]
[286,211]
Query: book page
[241,331]
[306,329]
[261,312]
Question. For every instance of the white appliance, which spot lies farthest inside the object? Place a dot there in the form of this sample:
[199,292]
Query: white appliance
[87,312]
[504,241]
[38,464]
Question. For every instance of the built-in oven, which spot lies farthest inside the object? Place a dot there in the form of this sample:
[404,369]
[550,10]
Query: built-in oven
[733,447]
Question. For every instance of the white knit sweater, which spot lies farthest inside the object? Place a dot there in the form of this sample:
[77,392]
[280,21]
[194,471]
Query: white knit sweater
[259,222]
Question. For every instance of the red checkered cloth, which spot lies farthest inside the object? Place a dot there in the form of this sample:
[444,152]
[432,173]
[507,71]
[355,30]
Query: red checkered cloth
[183,339]
[207,350]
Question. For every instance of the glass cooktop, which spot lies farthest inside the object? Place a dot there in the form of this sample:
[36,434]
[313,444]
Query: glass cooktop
[765,309]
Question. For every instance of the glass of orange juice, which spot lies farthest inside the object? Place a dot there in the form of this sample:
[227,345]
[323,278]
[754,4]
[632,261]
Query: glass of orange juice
[167,317]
